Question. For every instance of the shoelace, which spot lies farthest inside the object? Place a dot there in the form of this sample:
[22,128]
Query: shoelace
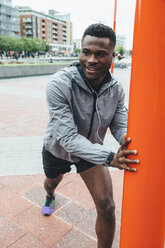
[48,200]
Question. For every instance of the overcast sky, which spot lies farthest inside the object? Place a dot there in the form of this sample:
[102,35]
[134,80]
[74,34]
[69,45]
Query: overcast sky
[86,12]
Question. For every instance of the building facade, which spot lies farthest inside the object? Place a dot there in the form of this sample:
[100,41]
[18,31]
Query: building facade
[120,40]
[9,19]
[57,32]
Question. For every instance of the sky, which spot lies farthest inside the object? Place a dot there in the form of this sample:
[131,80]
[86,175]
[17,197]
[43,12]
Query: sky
[87,12]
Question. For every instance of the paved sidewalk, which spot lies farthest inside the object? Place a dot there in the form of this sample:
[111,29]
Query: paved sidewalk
[70,226]
[23,120]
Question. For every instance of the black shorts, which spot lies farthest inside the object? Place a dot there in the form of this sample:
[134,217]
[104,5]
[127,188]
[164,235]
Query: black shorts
[54,166]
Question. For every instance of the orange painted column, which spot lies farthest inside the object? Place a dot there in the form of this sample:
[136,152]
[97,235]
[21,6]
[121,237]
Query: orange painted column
[143,210]
[114,28]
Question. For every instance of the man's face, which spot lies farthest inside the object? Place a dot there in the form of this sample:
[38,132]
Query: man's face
[96,58]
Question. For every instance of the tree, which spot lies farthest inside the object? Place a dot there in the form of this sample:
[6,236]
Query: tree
[7,43]
[77,50]
[23,44]
[19,45]
[120,49]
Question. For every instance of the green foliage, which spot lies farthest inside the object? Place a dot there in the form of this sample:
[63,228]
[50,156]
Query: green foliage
[22,44]
[119,49]
[78,50]
[6,42]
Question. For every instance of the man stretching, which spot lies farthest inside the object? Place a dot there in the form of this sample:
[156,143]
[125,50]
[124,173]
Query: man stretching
[85,100]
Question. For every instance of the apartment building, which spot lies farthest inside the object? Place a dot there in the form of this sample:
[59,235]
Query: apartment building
[57,32]
[120,40]
[9,19]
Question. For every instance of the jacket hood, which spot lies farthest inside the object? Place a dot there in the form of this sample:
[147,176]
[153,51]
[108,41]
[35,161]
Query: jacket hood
[74,75]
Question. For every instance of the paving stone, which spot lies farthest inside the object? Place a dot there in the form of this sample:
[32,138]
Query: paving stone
[37,83]
[1,186]
[75,239]
[81,217]
[28,241]
[79,193]
[9,233]
[66,179]
[118,213]
[117,180]
[25,108]
[21,155]
[75,177]
[3,219]
[11,203]
[37,196]
[116,241]
[83,220]
[48,229]
[21,183]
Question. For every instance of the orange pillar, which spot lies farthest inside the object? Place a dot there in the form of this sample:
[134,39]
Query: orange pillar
[114,28]
[143,210]
[114,19]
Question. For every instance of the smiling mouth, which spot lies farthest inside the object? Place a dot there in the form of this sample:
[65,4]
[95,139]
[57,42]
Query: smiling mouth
[91,69]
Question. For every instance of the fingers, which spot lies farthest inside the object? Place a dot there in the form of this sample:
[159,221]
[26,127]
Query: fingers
[125,143]
[124,160]
[121,160]
[124,137]
[127,168]
[127,152]
[131,161]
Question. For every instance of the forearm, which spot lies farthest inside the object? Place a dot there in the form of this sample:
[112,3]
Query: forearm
[81,147]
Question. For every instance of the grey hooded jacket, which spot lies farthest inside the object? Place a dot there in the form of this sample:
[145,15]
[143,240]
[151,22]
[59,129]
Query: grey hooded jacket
[75,110]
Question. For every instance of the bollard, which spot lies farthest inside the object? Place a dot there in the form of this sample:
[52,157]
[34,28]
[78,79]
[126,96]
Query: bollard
[143,208]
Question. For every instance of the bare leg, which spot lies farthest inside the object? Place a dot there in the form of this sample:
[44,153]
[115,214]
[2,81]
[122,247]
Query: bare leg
[51,183]
[99,184]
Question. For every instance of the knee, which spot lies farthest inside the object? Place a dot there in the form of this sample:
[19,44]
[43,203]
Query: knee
[52,183]
[106,209]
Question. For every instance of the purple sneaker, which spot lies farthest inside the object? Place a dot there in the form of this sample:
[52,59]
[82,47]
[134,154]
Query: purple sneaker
[47,207]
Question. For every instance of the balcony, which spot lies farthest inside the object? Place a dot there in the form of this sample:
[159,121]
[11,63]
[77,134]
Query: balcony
[28,27]
[29,32]
[28,20]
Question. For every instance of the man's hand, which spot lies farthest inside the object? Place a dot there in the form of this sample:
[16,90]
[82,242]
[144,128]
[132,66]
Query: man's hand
[120,159]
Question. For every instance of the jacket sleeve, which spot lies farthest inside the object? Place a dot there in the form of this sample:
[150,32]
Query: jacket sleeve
[65,130]
[118,124]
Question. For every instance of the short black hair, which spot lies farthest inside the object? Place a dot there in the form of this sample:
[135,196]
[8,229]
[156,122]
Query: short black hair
[102,31]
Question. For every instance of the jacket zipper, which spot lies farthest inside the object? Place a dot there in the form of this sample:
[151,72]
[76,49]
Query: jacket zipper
[93,112]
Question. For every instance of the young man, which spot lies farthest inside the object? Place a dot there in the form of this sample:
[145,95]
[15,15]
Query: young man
[84,100]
